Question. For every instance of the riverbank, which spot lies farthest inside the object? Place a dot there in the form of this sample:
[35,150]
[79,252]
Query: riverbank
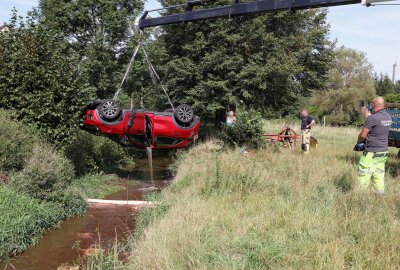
[273,209]
[25,219]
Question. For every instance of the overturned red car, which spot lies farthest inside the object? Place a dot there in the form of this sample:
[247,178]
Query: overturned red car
[140,128]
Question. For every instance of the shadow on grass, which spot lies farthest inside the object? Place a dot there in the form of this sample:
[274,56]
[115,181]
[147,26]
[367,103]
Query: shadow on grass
[350,158]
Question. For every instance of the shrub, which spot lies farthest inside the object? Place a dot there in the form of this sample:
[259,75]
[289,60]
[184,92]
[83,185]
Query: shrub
[73,202]
[46,175]
[248,130]
[392,98]
[16,142]
[23,220]
[91,154]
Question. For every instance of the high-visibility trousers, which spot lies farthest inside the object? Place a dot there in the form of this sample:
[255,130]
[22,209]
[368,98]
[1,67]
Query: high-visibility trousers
[371,168]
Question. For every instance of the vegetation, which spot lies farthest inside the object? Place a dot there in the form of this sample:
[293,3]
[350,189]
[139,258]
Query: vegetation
[246,61]
[385,86]
[45,176]
[15,146]
[91,154]
[271,209]
[99,32]
[40,81]
[39,187]
[274,209]
[23,221]
[350,80]
[247,130]
[96,185]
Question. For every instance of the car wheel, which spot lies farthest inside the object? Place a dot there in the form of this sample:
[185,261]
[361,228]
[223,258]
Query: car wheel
[109,109]
[184,114]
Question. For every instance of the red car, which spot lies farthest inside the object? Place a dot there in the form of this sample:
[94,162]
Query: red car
[139,128]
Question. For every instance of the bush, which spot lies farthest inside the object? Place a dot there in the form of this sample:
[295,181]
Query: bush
[392,98]
[92,154]
[45,176]
[16,142]
[23,220]
[73,202]
[248,130]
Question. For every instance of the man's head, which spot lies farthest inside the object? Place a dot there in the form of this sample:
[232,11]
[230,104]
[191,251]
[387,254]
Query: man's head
[378,104]
[304,113]
[230,113]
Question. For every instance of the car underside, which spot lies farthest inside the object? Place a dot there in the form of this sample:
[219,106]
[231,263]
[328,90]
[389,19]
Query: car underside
[140,128]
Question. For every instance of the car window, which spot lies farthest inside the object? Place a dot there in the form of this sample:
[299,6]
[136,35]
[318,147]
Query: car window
[139,139]
[149,136]
[163,141]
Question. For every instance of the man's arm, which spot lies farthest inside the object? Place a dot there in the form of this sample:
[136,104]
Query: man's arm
[363,135]
[312,123]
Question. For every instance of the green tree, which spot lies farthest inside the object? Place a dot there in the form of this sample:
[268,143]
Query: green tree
[40,79]
[383,85]
[350,80]
[266,62]
[99,31]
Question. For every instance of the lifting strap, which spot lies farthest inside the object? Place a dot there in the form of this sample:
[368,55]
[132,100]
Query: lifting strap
[135,51]
[153,74]
[155,77]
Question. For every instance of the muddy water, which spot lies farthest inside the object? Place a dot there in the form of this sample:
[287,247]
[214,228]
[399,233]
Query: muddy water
[101,223]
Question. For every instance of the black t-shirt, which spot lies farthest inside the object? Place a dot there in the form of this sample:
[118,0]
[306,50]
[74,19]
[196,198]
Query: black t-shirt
[378,124]
[305,121]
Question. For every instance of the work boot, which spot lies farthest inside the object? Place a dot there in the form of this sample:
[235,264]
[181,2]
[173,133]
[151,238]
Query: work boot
[305,148]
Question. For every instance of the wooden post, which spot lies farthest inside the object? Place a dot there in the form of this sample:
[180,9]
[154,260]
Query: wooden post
[150,158]
[127,190]
[324,121]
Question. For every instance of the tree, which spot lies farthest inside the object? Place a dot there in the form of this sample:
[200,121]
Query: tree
[266,62]
[350,80]
[40,79]
[383,85]
[99,31]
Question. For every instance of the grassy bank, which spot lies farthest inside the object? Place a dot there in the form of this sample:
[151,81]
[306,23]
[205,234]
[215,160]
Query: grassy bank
[97,186]
[274,209]
[38,186]
[23,220]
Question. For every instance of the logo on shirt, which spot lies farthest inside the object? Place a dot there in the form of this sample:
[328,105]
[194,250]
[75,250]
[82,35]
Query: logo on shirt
[386,123]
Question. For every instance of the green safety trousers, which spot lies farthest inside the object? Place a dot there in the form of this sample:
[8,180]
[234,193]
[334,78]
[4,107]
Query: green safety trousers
[372,167]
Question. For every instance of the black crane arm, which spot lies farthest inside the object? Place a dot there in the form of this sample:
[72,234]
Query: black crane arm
[236,9]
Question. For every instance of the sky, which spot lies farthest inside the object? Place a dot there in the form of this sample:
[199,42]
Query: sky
[373,30]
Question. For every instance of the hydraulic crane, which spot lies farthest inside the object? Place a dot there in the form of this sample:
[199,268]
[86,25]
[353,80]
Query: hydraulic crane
[190,14]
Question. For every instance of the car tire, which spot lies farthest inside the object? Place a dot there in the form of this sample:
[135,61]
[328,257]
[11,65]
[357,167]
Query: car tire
[184,114]
[109,109]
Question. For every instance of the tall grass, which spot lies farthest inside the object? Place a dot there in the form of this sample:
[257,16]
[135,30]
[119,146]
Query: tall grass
[23,220]
[275,209]
[96,186]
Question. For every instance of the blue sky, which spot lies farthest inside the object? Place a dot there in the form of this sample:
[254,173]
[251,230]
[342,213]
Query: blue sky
[373,30]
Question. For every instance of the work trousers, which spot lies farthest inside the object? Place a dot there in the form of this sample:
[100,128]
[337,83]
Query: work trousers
[371,168]
[305,139]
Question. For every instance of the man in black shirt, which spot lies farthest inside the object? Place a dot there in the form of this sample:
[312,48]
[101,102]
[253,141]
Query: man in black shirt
[306,123]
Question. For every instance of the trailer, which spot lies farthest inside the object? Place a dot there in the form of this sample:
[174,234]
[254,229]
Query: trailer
[288,137]
[394,134]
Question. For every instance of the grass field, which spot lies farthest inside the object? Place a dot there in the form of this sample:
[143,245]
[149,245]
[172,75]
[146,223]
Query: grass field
[274,209]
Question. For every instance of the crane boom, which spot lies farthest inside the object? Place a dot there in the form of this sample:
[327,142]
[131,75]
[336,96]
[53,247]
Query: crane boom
[236,9]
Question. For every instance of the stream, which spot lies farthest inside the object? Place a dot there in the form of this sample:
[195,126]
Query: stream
[101,224]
